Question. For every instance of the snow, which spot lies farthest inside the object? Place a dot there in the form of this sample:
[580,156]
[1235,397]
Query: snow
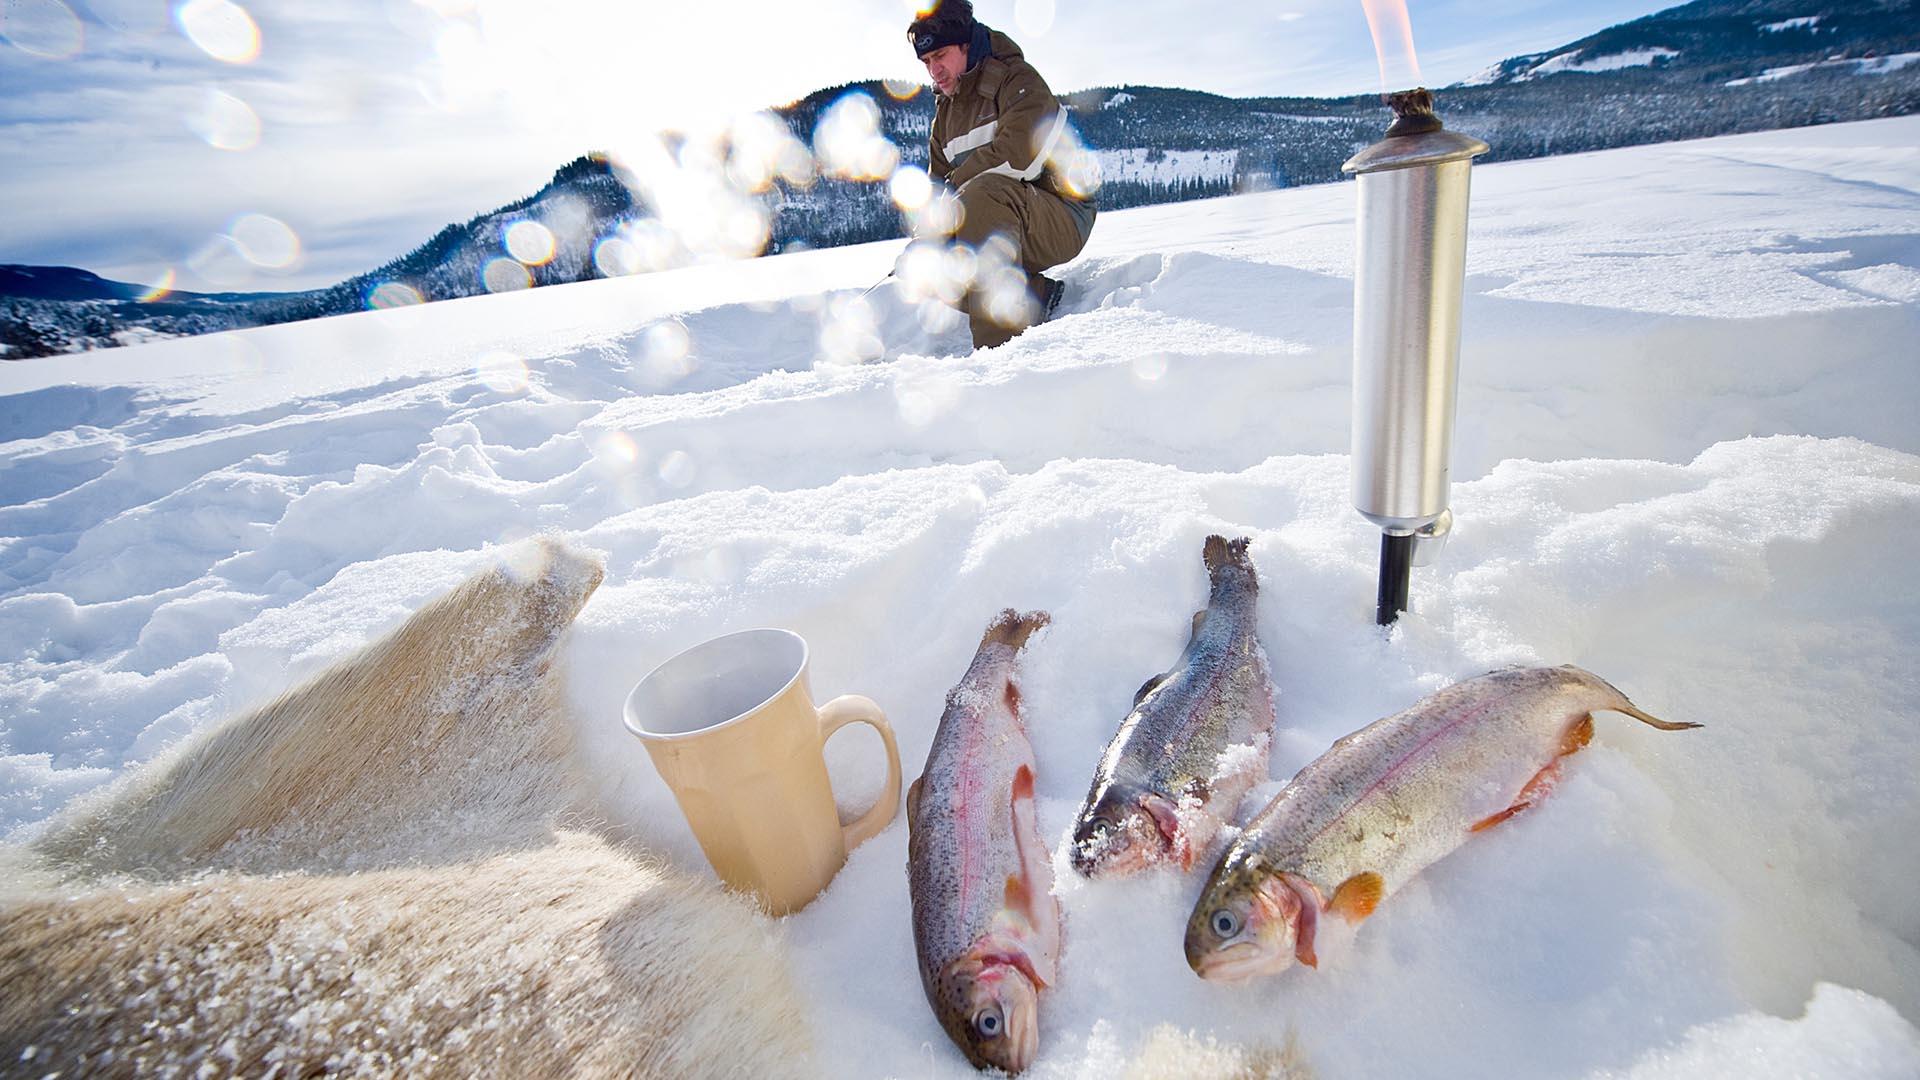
[1155,166]
[1579,61]
[1116,100]
[1686,460]
[1804,22]
[1865,65]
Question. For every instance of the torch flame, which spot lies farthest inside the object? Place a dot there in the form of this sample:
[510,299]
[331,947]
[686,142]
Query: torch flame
[1393,43]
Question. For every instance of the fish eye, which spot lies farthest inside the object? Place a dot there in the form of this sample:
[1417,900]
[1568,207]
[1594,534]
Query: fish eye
[1225,923]
[989,1023]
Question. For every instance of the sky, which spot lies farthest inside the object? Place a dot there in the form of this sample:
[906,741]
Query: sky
[266,144]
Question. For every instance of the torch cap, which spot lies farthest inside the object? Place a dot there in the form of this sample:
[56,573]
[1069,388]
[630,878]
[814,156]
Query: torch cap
[1414,139]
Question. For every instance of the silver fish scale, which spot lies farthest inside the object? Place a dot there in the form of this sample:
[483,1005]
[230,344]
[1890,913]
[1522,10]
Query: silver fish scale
[1219,695]
[1402,792]
[965,803]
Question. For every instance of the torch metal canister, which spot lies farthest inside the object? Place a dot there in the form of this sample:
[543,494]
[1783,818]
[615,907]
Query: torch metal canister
[1409,271]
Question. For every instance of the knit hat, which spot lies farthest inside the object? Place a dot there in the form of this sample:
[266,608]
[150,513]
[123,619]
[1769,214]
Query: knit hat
[949,23]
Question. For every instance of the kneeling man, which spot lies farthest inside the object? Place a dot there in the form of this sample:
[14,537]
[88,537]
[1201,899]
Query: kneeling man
[996,127]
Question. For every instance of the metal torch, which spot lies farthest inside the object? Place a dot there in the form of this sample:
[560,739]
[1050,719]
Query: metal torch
[1409,271]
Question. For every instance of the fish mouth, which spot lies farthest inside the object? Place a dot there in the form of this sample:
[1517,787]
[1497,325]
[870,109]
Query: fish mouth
[1239,962]
[1017,999]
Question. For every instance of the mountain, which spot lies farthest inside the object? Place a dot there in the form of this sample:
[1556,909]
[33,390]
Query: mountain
[63,283]
[1708,68]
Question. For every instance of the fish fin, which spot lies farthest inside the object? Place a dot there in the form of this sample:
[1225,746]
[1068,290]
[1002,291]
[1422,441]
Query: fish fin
[1147,687]
[1199,619]
[1491,820]
[1535,790]
[1012,628]
[1357,896]
[1026,832]
[1019,897]
[1577,736]
[1042,911]
[913,800]
[1023,797]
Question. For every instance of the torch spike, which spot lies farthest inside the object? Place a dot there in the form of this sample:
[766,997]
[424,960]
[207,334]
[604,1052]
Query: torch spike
[1396,573]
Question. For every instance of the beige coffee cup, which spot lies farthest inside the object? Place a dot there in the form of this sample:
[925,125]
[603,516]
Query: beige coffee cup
[732,727]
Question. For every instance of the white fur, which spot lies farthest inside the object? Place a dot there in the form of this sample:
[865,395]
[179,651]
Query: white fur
[366,876]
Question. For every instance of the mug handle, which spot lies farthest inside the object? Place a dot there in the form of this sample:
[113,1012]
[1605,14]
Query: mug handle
[854,709]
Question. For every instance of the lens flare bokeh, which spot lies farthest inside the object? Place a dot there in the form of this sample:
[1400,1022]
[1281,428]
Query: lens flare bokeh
[502,372]
[530,242]
[162,285]
[393,294]
[43,28]
[221,262]
[847,140]
[505,275]
[849,332]
[615,256]
[677,469]
[910,187]
[1150,367]
[265,241]
[1033,17]
[225,122]
[221,28]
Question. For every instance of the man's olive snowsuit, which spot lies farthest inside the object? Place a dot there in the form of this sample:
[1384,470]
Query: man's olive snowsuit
[993,140]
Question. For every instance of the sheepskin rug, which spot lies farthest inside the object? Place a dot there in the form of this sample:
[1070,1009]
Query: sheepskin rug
[370,875]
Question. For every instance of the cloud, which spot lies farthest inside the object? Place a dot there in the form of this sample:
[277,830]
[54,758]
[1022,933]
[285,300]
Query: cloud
[380,120]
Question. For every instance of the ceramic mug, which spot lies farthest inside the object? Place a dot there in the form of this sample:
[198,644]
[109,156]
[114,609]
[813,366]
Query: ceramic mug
[732,728]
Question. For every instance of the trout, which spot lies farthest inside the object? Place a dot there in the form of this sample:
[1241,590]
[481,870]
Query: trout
[1196,741]
[986,925]
[1386,802]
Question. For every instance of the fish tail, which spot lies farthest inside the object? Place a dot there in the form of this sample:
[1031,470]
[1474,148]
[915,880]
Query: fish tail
[1654,721]
[1221,553]
[1620,704]
[1012,628]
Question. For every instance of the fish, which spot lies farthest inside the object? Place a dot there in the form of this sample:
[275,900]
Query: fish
[1197,740]
[986,925]
[1384,803]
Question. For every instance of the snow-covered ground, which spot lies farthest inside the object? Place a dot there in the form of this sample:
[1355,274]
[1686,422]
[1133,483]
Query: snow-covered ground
[1150,166]
[1687,459]
[1866,65]
[1578,60]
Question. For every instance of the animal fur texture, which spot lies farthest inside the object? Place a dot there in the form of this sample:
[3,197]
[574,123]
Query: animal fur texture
[368,876]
